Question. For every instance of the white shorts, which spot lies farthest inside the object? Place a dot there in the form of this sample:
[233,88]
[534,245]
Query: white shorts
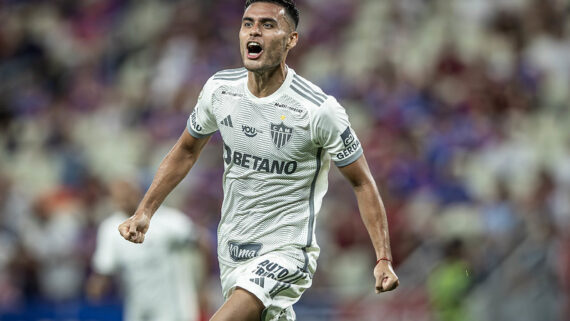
[275,279]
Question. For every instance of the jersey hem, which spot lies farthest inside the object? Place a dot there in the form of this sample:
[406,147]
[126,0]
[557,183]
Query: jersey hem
[233,263]
[287,253]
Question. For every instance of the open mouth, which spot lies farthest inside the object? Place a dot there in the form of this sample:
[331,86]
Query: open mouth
[254,50]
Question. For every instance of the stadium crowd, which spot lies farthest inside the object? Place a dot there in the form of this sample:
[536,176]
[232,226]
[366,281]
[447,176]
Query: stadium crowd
[462,108]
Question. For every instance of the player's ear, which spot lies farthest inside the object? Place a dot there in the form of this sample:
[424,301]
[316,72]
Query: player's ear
[292,40]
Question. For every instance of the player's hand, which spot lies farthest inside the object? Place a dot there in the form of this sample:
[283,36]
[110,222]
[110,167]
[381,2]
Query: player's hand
[135,227]
[386,279]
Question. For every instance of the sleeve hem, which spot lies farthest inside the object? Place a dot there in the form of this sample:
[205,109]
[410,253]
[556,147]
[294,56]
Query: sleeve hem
[351,159]
[197,135]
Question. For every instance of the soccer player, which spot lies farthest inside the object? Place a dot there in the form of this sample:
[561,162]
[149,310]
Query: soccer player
[279,132]
[157,277]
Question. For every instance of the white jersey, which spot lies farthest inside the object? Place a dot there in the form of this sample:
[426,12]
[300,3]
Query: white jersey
[277,152]
[156,275]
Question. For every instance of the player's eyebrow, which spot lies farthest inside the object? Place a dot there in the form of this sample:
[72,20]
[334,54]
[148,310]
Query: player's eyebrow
[261,20]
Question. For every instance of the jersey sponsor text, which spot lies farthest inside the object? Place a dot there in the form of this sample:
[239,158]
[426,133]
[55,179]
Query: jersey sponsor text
[257,163]
[243,251]
[349,150]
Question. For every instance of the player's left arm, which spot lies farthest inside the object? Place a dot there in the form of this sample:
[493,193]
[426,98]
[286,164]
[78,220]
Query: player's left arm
[374,217]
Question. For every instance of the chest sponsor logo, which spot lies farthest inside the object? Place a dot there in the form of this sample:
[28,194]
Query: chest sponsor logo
[280,134]
[243,251]
[257,163]
[347,137]
[249,131]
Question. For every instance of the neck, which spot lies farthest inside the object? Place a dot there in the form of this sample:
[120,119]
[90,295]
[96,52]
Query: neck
[264,83]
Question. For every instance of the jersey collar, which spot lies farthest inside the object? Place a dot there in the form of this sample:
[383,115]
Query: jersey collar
[286,83]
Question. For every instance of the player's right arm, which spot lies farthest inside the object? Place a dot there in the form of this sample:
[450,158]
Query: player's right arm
[176,165]
[171,171]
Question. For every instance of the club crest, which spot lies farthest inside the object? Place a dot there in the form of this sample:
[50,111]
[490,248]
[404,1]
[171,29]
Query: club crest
[281,134]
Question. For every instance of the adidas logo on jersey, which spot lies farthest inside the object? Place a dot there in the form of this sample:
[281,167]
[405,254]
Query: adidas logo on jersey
[227,121]
[258,281]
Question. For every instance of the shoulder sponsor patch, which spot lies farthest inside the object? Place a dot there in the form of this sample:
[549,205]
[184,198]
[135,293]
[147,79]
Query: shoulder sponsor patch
[197,127]
[347,137]
[349,150]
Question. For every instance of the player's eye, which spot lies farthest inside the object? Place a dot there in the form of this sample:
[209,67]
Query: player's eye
[268,25]
[247,24]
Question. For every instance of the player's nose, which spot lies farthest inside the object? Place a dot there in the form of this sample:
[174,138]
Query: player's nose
[255,30]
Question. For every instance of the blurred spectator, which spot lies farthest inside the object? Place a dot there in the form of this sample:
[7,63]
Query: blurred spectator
[11,291]
[49,238]
[160,278]
[449,282]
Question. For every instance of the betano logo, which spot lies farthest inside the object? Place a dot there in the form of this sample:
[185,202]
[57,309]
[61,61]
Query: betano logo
[257,163]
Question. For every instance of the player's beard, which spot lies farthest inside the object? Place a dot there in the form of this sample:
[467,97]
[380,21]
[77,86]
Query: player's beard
[270,59]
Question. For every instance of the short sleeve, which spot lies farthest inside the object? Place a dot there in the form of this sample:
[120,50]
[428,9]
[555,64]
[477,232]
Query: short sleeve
[104,259]
[202,121]
[332,131]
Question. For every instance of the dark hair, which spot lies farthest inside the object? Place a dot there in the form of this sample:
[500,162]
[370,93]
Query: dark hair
[289,5]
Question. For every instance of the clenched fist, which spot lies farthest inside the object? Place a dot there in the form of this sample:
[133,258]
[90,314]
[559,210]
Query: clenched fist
[386,279]
[135,227]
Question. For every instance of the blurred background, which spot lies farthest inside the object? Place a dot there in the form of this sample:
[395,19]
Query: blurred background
[461,106]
